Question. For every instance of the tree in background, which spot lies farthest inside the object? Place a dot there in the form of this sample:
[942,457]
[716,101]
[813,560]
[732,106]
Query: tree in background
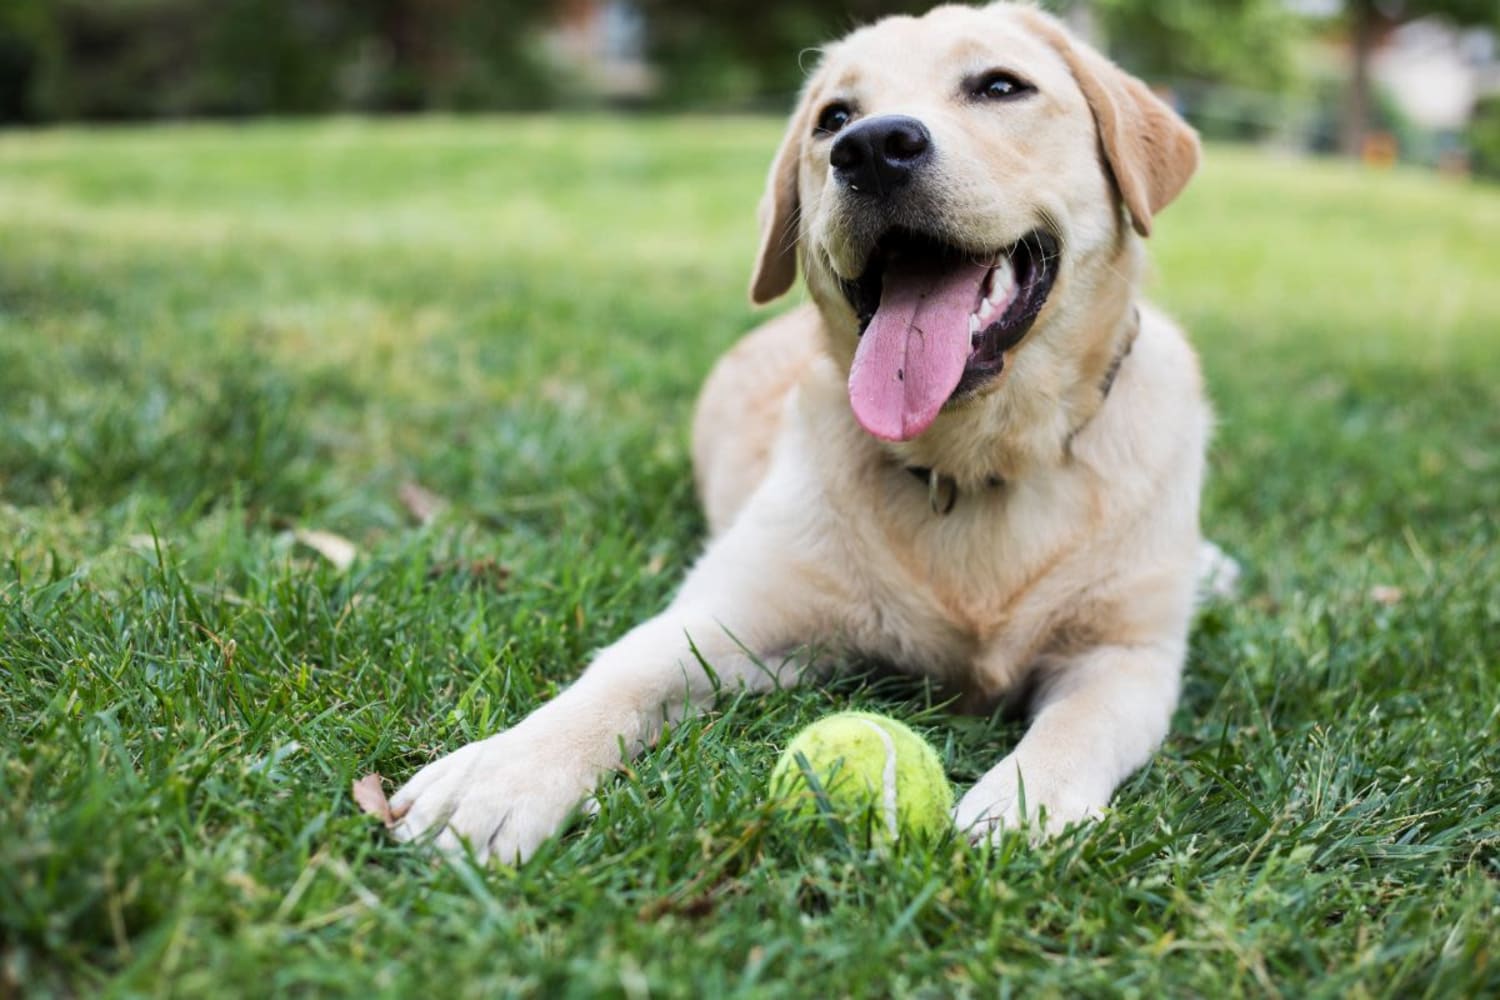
[1240,42]
[1484,137]
[1229,63]
[27,41]
[747,51]
[95,59]
[1368,22]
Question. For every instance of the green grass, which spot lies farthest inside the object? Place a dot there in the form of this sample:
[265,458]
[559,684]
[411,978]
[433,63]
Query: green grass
[212,336]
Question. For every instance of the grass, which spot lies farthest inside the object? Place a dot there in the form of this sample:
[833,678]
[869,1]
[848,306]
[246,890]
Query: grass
[210,337]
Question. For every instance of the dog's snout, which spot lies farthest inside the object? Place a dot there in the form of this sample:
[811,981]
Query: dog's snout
[879,155]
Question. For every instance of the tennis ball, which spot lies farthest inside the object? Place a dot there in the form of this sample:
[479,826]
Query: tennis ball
[865,767]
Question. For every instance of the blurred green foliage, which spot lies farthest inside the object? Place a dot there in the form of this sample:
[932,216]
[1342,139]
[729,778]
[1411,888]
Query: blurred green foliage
[1484,137]
[121,59]
[1232,66]
[1243,42]
[759,48]
[742,51]
[124,59]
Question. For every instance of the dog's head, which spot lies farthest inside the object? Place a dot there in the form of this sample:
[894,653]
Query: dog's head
[963,185]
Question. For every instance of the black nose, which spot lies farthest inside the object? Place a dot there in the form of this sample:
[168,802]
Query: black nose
[879,155]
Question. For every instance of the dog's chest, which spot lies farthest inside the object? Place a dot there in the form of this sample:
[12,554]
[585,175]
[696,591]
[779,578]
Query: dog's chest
[945,586]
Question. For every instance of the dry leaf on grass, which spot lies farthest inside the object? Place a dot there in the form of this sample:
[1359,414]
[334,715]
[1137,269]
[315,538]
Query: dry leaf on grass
[477,572]
[370,797]
[420,502]
[1387,595]
[337,549]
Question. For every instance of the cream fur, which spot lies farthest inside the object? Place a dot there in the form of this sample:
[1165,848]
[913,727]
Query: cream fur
[1073,579]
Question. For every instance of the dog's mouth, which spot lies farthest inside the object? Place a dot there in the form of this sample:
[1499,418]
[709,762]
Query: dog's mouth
[936,322]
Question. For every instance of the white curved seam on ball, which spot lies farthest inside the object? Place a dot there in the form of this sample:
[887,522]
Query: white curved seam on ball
[888,779]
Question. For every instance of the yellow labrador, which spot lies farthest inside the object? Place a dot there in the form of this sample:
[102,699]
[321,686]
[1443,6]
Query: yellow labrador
[976,454]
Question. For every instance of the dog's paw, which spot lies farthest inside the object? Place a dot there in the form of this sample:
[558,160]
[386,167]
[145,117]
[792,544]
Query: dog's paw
[502,796]
[1002,801]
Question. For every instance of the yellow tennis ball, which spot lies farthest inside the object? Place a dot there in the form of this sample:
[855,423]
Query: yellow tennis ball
[859,767]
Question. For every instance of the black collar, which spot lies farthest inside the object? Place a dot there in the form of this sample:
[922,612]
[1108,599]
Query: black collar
[1113,371]
[942,489]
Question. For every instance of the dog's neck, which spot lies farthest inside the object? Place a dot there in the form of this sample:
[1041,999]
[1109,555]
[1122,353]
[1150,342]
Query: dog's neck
[943,488]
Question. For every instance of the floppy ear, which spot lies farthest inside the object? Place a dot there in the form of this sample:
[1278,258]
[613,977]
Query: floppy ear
[1150,150]
[780,208]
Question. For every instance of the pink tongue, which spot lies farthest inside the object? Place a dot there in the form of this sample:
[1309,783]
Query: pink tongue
[913,354]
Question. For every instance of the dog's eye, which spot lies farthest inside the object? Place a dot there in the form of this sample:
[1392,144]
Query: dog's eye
[833,118]
[998,85]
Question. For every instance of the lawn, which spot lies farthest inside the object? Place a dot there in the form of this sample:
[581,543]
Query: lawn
[212,338]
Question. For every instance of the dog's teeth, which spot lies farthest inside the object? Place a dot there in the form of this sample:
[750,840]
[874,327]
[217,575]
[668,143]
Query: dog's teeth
[973,326]
[1001,278]
[986,309]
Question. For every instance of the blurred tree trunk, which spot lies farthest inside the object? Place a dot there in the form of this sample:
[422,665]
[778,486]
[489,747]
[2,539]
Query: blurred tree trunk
[1364,23]
[418,37]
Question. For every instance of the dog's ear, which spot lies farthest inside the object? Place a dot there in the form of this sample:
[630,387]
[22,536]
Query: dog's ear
[1150,150]
[780,211]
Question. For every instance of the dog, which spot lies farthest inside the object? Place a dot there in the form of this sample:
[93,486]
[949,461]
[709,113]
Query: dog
[976,454]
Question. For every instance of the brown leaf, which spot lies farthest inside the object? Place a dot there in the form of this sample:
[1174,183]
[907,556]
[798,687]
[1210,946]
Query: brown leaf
[480,572]
[370,797]
[1386,595]
[337,549]
[420,502]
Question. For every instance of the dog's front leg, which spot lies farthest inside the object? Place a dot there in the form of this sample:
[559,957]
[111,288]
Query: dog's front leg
[1098,716]
[743,611]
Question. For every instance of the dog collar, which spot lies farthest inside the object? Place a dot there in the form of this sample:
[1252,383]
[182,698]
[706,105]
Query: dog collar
[942,489]
[1119,359]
